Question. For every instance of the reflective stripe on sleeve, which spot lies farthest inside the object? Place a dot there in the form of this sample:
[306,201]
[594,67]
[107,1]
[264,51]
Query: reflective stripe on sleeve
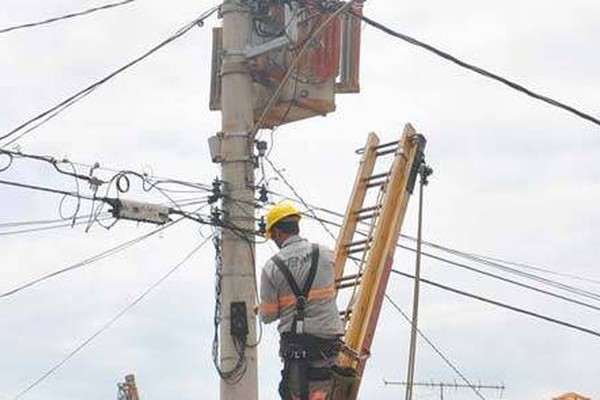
[269,309]
[314,294]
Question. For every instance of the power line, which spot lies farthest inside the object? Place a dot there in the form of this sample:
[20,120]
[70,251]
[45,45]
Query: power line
[81,221]
[435,348]
[527,275]
[47,190]
[503,305]
[534,268]
[45,116]
[479,259]
[114,319]
[16,224]
[568,288]
[503,279]
[67,16]
[493,261]
[478,70]
[90,260]
[485,261]
[289,185]
[149,181]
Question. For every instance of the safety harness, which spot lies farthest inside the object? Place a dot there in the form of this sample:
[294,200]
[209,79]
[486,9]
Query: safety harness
[297,346]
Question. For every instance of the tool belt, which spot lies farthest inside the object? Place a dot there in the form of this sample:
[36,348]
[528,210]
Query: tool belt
[304,349]
[308,347]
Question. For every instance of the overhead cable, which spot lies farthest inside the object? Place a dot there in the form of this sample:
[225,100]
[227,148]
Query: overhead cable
[435,348]
[486,261]
[110,322]
[536,268]
[80,220]
[310,213]
[503,305]
[35,122]
[66,16]
[478,70]
[90,260]
[504,279]
[308,208]
[504,265]
[150,181]
[47,189]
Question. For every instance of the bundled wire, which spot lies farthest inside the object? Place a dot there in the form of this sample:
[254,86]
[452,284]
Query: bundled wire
[237,372]
[120,180]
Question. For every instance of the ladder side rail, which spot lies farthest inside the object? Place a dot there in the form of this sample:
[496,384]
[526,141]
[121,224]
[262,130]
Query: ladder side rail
[359,192]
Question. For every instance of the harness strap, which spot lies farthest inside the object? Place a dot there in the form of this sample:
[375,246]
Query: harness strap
[313,270]
[301,295]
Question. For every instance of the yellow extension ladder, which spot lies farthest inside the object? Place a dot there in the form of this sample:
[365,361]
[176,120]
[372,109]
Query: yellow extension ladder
[363,257]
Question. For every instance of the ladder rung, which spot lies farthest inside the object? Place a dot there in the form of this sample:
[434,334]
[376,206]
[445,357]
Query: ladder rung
[354,258]
[347,285]
[358,250]
[377,176]
[367,209]
[385,152]
[360,242]
[388,144]
[375,184]
[381,146]
[343,313]
[368,216]
[349,277]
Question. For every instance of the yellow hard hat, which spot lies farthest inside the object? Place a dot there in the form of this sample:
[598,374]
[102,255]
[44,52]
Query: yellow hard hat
[279,212]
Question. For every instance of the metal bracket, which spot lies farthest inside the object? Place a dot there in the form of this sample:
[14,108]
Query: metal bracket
[291,35]
[277,43]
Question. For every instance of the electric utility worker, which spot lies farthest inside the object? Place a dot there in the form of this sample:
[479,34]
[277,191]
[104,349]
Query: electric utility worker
[297,288]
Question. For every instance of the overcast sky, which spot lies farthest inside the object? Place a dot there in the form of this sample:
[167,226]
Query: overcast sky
[514,179]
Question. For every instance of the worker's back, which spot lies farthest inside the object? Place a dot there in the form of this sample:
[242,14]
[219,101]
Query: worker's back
[321,314]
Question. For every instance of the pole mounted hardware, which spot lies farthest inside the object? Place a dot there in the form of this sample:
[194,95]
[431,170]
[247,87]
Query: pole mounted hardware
[217,191]
[239,319]
[261,147]
[214,146]
[139,211]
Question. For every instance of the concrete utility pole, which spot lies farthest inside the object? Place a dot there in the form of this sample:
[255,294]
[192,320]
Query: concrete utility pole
[237,172]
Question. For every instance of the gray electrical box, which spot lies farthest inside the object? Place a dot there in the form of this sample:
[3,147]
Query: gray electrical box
[139,211]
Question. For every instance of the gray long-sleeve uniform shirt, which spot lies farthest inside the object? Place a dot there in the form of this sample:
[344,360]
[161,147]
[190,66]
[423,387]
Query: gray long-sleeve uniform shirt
[278,301]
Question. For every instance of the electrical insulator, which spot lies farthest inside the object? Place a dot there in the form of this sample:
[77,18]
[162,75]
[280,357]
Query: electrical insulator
[215,217]
[216,192]
[261,146]
[262,226]
[263,194]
